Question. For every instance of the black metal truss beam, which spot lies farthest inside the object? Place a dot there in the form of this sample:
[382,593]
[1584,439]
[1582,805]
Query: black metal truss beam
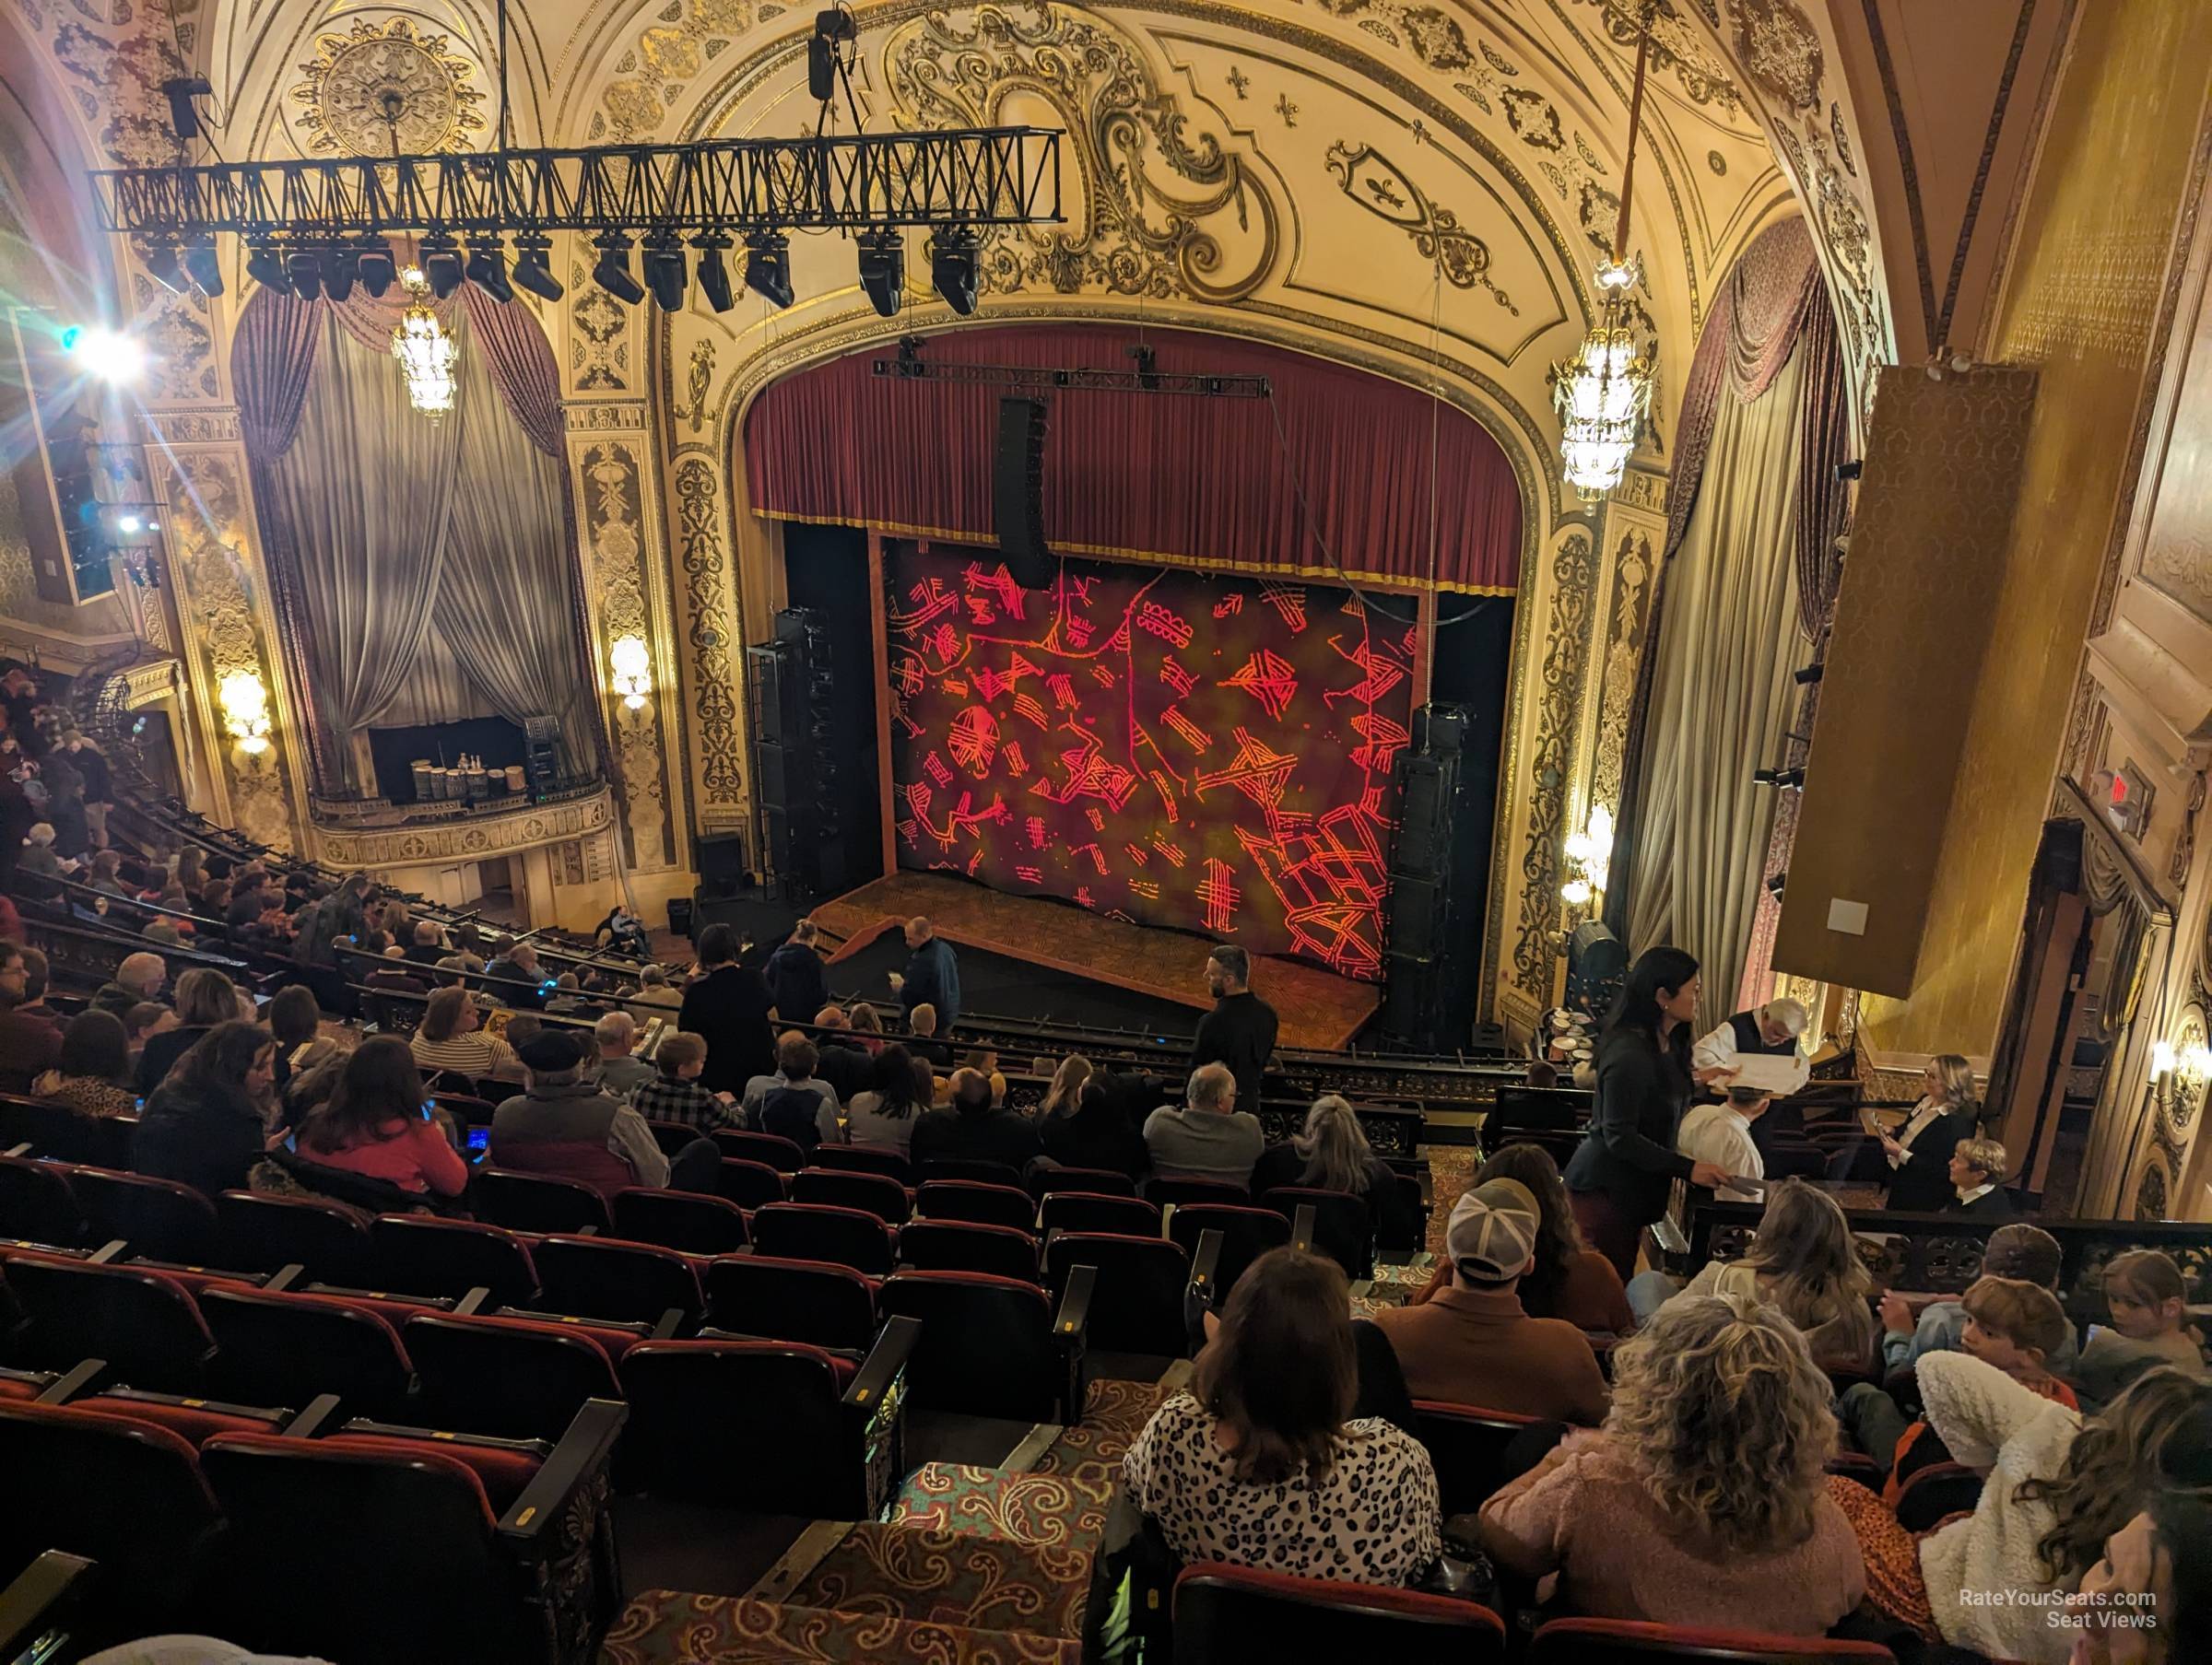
[1023,379]
[982,176]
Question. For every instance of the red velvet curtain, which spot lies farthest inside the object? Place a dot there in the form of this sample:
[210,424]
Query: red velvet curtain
[1338,471]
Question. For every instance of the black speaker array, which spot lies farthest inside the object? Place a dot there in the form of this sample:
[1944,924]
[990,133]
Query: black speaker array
[1018,492]
[796,765]
[1418,952]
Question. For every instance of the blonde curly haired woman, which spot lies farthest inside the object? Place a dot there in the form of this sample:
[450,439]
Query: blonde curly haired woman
[1702,1500]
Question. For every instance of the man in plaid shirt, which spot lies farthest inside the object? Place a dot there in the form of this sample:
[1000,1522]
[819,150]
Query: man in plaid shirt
[676,1096]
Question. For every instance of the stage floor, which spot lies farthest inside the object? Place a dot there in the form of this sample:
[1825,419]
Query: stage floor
[1317,1008]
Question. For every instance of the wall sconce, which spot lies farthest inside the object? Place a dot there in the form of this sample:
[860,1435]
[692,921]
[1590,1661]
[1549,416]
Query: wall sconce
[1589,859]
[632,662]
[245,703]
[2179,1073]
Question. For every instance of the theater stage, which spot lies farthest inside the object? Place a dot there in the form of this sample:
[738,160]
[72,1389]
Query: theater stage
[1317,1008]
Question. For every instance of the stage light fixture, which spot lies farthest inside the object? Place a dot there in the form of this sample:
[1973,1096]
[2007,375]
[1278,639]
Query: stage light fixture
[264,265]
[107,353]
[341,269]
[1851,470]
[441,262]
[488,270]
[832,28]
[883,269]
[303,269]
[1808,675]
[1776,885]
[374,266]
[206,270]
[952,269]
[714,271]
[612,272]
[1783,779]
[181,90]
[163,266]
[665,273]
[534,267]
[768,267]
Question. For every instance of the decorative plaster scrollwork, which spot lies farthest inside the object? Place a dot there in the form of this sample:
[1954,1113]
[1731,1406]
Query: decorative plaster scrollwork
[2151,1191]
[1566,652]
[1624,651]
[1159,206]
[190,428]
[1373,181]
[699,377]
[599,342]
[1779,50]
[614,533]
[473,839]
[612,416]
[179,350]
[380,89]
[706,573]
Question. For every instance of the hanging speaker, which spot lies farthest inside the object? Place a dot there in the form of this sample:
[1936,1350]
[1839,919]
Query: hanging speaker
[1018,492]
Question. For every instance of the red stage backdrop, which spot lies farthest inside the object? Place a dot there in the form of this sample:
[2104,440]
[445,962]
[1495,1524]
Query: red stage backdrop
[1170,747]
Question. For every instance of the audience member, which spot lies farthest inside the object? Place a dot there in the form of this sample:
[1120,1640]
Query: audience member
[207,1123]
[867,1027]
[2018,1250]
[342,913]
[517,980]
[971,1128]
[1473,1343]
[426,949]
[619,1071]
[1619,1179]
[2056,1488]
[1977,1174]
[100,785]
[932,977]
[623,932]
[378,1123]
[2156,1568]
[1261,1462]
[796,975]
[206,997]
[788,1103]
[1065,1095]
[140,1023]
[567,999]
[137,980]
[654,993]
[1721,1134]
[93,1074]
[1541,1073]
[521,1027]
[1919,1155]
[1567,1280]
[1240,1029]
[563,1123]
[1702,1500]
[38,855]
[2147,1299]
[1096,1133]
[921,1037]
[730,1005]
[296,1021]
[845,1064]
[887,1111]
[1331,1153]
[676,1094]
[1804,1260]
[29,1044]
[1207,1137]
[451,1037]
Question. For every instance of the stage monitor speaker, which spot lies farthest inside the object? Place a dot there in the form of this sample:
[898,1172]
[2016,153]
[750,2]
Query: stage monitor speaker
[1018,492]
[721,864]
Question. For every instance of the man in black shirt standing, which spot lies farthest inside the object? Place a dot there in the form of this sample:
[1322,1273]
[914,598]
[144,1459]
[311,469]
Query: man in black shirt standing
[1240,1030]
[729,1005]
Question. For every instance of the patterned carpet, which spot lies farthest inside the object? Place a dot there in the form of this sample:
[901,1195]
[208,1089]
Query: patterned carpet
[668,1627]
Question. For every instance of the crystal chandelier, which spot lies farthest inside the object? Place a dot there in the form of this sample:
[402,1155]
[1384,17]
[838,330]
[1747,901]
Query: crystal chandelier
[424,350]
[1604,393]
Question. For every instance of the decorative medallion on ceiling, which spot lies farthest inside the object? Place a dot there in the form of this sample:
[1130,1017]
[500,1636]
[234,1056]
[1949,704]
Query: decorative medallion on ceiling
[387,89]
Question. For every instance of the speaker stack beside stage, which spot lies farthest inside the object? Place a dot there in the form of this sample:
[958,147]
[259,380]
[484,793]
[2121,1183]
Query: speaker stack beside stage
[789,680]
[1017,493]
[1418,963]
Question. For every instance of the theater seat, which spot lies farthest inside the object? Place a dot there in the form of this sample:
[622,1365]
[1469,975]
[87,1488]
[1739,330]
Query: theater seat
[144,1323]
[680,1220]
[415,1254]
[749,1184]
[613,1280]
[287,1348]
[1246,1234]
[513,1376]
[1181,1193]
[771,1150]
[1932,1492]
[978,1203]
[1343,1229]
[37,1206]
[161,1219]
[973,1173]
[802,1445]
[1137,1303]
[267,1234]
[1466,1446]
[959,1246]
[1094,1181]
[1607,1641]
[1072,1210]
[866,1159]
[991,1346]
[807,1301]
[54,1131]
[1224,1612]
[843,1237]
[195,1421]
[536,1202]
[877,1194]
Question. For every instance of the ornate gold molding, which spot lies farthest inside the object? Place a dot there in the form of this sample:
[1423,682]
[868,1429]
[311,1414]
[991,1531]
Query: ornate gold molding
[1551,763]
[610,474]
[384,89]
[469,841]
[603,417]
[705,567]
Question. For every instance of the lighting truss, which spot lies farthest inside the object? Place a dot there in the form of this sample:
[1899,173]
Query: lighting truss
[1074,380]
[978,176]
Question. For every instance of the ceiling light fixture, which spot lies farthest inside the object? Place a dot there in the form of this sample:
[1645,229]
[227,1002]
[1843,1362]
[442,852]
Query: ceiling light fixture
[768,267]
[425,351]
[534,267]
[612,272]
[883,269]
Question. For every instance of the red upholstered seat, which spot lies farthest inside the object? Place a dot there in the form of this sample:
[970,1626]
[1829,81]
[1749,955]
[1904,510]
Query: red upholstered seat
[503,1471]
[1466,1446]
[986,1346]
[24,1384]
[1343,1229]
[607,1279]
[978,1203]
[1182,1192]
[36,1205]
[1073,1210]
[1938,1489]
[1137,1305]
[1607,1641]
[1096,1181]
[770,1149]
[266,1234]
[962,1245]
[161,1219]
[1246,1234]
[417,1255]
[1238,1612]
[681,1220]
[867,1159]
[144,1323]
[286,1348]
[807,1231]
[194,1420]
[749,1184]
[524,1202]
[806,1301]
[877,1194]
[518,1377]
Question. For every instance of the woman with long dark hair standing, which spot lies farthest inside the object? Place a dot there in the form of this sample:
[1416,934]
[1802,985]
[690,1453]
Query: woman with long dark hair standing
[1618,1181]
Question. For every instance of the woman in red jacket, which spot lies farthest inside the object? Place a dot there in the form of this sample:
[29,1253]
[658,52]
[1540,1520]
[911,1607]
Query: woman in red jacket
[378,1123]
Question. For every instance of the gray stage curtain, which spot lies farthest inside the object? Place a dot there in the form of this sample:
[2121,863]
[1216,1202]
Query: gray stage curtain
[365,486]
[505,544]
[1720,694]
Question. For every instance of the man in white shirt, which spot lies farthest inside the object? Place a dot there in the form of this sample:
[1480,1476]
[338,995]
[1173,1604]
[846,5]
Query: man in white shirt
[1721,1133]
[1770,1030]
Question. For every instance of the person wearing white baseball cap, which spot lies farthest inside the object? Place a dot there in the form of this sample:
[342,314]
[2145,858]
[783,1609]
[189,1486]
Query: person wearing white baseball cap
[1473,1343]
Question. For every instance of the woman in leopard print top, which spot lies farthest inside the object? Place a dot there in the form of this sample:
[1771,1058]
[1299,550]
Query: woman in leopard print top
[1259,1463]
